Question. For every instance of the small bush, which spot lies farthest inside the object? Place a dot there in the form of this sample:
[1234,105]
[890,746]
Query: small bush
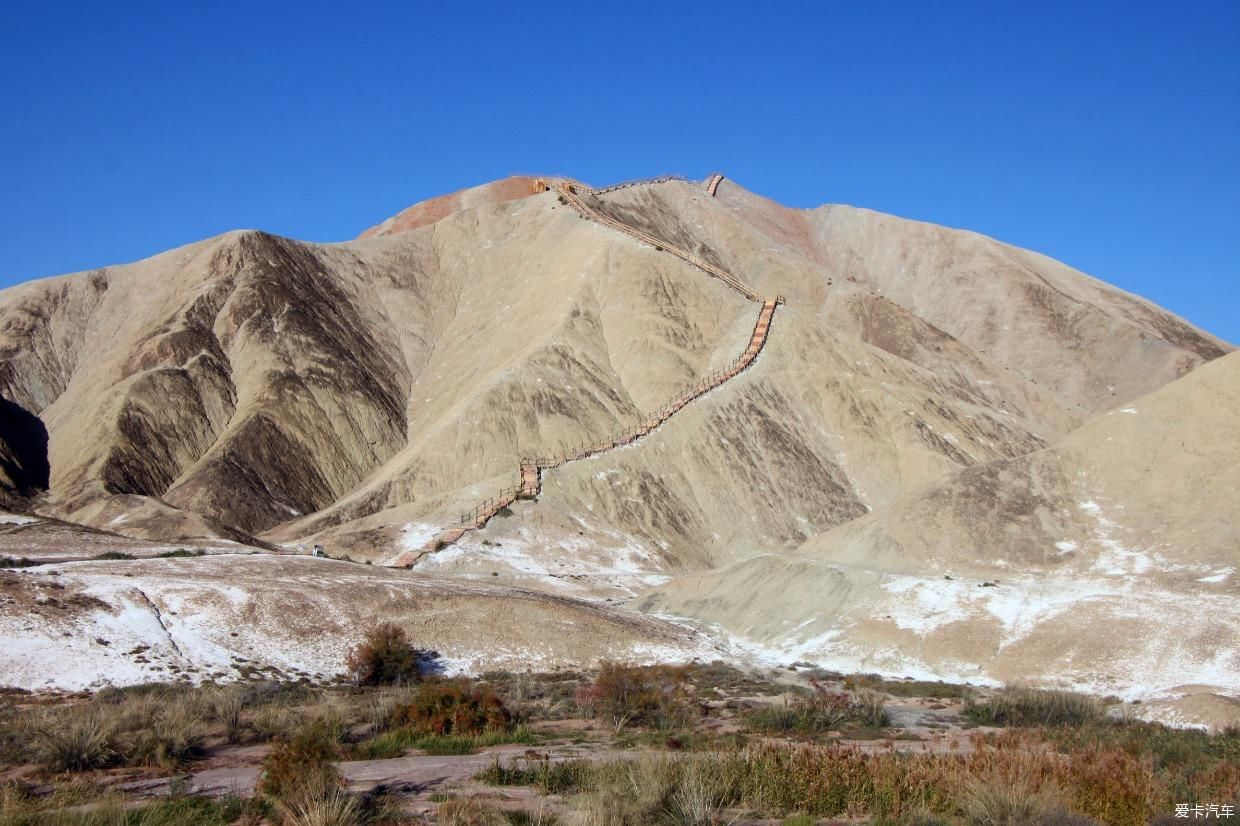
[638,695]
[275,724]
[227,704]
[1007,802]
[870,711]
[385,657]
[301,766]
[169,738]
[325,805]
[113,555]
[1034,707]
[180,553]
[451,707]
[77,740]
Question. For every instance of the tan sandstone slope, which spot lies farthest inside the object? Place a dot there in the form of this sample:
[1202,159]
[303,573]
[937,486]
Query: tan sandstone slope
[364,394]
[1109,560]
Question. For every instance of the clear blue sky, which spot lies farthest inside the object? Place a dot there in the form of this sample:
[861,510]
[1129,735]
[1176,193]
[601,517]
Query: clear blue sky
[1105,134]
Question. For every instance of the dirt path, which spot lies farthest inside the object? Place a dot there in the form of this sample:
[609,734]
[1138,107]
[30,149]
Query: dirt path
[412,774]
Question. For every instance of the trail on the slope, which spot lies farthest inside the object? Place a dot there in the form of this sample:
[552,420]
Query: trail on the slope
[531,469]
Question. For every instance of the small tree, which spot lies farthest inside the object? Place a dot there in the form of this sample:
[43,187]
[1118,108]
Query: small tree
[385,657]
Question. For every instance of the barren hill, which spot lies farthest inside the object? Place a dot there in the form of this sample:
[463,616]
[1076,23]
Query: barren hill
[1108,560]
[269,387]
[365,395]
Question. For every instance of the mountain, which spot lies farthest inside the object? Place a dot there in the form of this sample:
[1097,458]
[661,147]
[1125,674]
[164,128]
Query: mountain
[1107,561]
[736,387]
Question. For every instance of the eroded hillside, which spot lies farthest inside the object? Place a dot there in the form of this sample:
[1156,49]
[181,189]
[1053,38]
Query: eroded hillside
[909,466]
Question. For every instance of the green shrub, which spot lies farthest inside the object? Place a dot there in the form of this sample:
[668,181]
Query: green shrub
[1033,707]
[113,555]
[396,743]
[548,777]
[172,811]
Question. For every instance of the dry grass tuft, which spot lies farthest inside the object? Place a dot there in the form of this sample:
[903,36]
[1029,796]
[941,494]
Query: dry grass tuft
[1034,707]
[77,739]
[469,811]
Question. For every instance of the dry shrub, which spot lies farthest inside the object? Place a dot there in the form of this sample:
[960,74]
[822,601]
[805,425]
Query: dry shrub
[698,796]
[1113,785]
[451,707]
[385,657]
[325,805]
[469,811]
[692,790]
[77,739]
[171,736]
[275,724]
[639,695]
[823,710]
[226,706]
[1003,803]
[301,767]
[381,705]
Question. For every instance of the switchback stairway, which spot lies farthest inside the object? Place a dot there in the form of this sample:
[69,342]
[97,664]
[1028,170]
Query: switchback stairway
[531,469]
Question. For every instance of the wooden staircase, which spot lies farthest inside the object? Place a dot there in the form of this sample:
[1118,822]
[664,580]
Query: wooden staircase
[569,191]
[531,469]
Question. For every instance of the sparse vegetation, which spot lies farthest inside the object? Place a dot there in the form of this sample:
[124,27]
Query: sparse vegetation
[18,562]
[549,777]
[821,711]
[905,688]
[1033,707]
[1098,770]
[470,811]
[114,555]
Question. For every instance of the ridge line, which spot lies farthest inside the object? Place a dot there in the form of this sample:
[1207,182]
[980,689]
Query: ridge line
[531,468]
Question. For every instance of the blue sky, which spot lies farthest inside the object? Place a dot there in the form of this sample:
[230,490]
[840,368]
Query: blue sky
[1104,134]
